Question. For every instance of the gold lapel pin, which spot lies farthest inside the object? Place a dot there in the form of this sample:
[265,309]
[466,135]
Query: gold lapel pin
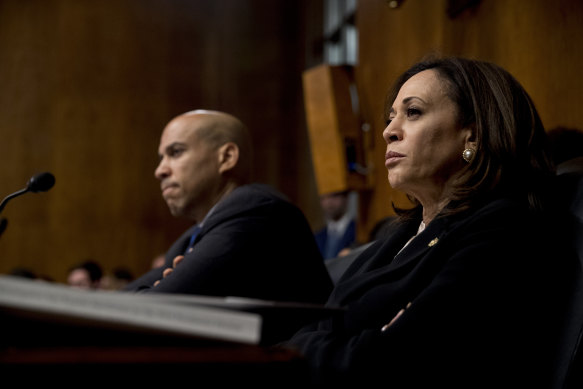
[433,242]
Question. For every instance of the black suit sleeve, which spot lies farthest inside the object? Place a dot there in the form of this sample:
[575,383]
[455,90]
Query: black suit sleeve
[267,252]
[147,280]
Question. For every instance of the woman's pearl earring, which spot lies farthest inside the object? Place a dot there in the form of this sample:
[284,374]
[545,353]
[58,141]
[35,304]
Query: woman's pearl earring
[468,155]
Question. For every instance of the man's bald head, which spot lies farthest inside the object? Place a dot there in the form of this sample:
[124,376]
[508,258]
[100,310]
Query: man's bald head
[216,128]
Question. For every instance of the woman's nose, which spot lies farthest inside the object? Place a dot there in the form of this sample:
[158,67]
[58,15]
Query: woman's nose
[391,133]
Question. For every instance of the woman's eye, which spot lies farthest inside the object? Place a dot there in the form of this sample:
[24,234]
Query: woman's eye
[412,111]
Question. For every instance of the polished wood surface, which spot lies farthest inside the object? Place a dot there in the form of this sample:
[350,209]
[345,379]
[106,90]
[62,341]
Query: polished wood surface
[153,366]
[336,139]
[233,353]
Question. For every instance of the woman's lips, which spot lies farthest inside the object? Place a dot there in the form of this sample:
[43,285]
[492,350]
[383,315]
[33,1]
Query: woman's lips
[392,157]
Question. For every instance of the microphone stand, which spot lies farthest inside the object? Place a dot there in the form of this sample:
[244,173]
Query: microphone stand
[3,221]
[11,196]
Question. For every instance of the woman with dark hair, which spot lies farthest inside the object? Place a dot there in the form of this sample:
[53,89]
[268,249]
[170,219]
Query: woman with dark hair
[470,289]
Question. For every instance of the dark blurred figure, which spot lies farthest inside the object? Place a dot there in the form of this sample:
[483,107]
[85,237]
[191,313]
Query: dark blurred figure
[340,230]
[566,148]
[85,275]
[23,273]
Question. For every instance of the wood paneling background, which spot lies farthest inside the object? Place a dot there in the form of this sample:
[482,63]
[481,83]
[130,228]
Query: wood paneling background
[86,88]
[539,42]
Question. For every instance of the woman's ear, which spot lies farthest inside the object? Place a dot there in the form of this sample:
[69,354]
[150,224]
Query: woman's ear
[228,156]
[470,138]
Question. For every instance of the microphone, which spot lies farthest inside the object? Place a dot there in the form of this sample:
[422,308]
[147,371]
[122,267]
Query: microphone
[38,183]
[41,182]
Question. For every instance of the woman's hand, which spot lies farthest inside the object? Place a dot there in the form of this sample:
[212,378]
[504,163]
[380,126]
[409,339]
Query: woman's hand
[394,319]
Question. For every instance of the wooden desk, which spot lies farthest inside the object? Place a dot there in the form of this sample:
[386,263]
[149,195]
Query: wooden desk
[50,335]
[160,366]
[53,353]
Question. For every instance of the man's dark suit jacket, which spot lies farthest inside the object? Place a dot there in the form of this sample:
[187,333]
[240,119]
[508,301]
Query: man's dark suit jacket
[254,244]
[347,239]
[487,290]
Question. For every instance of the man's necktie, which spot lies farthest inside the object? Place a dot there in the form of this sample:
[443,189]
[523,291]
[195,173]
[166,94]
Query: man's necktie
[192,238]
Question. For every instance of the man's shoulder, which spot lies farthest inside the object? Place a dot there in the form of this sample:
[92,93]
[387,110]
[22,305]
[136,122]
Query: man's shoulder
[262,190]
[254,199]
[257,209]
[257,194]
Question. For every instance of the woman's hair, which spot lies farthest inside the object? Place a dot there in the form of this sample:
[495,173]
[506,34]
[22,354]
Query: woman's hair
[511,156]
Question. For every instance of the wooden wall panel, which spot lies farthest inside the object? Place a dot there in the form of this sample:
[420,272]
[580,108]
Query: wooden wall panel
[336,138]
[325,116]
[539,42]
[87,87]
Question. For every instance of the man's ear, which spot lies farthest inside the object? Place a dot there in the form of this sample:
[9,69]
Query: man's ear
[228,156]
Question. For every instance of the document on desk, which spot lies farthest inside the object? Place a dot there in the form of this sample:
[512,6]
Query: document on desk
[42,300]
[230,319]
[279,319]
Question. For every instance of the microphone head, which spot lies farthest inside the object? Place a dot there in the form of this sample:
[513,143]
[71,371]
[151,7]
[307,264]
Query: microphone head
[41,182]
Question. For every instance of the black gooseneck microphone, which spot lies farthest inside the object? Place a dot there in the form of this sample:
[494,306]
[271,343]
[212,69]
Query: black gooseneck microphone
[41,182]
[38,183]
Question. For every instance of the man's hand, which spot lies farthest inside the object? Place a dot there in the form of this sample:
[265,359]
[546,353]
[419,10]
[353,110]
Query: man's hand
[175,262]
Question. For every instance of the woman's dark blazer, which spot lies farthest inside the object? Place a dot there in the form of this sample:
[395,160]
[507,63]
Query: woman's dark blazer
[487,291]
[254,244]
